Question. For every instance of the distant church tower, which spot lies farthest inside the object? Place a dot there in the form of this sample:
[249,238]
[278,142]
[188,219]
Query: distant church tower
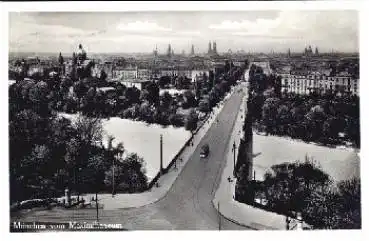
[214,47]
[192,50]
[209,49]
[316,51]
[61,64]
[169,51]
[289,52]
[81,54]
[156,51]
[310,50]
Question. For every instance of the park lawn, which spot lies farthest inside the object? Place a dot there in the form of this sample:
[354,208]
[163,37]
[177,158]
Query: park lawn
[340,164]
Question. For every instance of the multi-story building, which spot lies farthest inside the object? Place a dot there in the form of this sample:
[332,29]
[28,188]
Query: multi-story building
[144,74]
[168,72]
[106,66]
[125,73]
[198,74]
[306,82]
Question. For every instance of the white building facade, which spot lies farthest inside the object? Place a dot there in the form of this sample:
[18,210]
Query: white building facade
[305,83]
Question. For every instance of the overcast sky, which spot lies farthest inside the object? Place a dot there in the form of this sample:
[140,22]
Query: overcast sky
[141,31]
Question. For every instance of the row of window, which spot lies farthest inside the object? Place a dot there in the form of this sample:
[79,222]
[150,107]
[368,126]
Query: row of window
[315,81]
[297,88]
[322,77]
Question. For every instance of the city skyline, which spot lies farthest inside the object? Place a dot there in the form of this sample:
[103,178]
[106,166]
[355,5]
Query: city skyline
[256,31]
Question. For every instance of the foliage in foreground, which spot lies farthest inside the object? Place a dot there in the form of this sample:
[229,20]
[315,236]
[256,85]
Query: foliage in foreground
[303,187]
[48,154]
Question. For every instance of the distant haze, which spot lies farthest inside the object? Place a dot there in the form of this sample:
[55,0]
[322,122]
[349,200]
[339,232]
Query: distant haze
[256,31]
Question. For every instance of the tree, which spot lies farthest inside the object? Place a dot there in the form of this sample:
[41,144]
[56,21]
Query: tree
[335,207]
[349,192]
[166,100]
[147,112]
[204,105]
[133,178]
[118,171]
[269,114]
[80,89]
[213,98]
[93,175]
[176,120]
[283,119]
[353,130]
[191,121]
[331,127]
[152,93]
[278,86]
[26,129]
[114,156]
[120,89]
[244,188]
[61,133]
[289,185]
[132,95]
[103,76]
[189,99]
[227,66]
[38,94]
[211,79]
[164,81]
[75,159]
[224,86]
[90,130]
[314,120]
[34,173]
[182,82]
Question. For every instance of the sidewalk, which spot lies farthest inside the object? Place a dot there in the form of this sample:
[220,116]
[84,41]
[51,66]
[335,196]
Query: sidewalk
[234,211]
[135,200]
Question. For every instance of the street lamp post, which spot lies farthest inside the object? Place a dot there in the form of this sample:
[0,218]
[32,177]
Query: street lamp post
[161,155]
[234,158]
[97,209]
[112,192]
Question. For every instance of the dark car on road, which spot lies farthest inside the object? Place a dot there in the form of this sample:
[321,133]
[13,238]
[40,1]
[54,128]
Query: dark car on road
[204,151]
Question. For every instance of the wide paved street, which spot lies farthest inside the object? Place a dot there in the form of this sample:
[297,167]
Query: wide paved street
[187,206]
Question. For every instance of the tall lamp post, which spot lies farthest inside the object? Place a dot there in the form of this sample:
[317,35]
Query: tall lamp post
[97,209]
[161,155]
[234,158]
[112,192]
[76,183]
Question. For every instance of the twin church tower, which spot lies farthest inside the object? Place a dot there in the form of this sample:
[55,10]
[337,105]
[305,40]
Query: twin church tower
[213,50]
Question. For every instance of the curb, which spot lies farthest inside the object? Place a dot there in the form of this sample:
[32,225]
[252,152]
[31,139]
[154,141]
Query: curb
[232,220]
